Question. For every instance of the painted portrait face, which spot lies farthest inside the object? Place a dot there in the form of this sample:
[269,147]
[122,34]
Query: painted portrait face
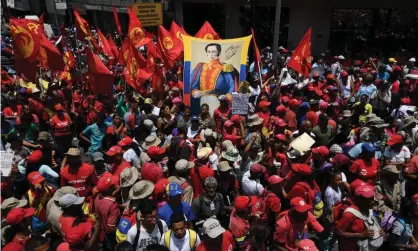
[212,52]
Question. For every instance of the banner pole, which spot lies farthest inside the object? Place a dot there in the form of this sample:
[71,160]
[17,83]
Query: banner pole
[276,32]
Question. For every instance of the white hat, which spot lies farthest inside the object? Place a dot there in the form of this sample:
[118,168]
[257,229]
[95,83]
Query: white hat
[150,125]
[341,57]
[212,228]
[412,60]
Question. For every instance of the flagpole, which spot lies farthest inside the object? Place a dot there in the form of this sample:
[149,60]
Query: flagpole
[276,32]
[40,80]
[259,72]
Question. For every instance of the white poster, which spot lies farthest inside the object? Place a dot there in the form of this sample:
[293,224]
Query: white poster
[10,3]
[6,162]
[61,4]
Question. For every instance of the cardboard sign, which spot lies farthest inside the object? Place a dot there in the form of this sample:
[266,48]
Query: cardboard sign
[150,14]
[6,162]
[303,143]
[240,103]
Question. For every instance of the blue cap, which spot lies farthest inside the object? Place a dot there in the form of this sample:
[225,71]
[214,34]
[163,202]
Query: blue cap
[304,105]
[195,117]
[173,189]
[368,147]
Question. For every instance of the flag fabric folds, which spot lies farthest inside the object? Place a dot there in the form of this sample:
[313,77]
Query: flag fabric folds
[116,16]
[177,31]
[104,44]
[136,34]
[82,27]
[301,60]
[257,55]
[100,77]
[49,56]
[207,32]
[170,46]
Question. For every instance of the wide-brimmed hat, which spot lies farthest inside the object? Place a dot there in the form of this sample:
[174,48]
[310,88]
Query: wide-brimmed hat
[391,169]
[347,113]
[128,177]
[73,152]
[408,121]
[141,189]
[231,154]
[372,118]
[224,166]
[150,125]
[254,120]
[151,141]
[43,136]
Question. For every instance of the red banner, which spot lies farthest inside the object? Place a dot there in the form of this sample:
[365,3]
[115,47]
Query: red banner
[207,32]
[116,16]
[301,60]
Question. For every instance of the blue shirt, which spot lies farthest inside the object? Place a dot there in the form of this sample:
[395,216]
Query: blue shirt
[356,151]
[384,76]
[96,135]
[165,212]
[366,89]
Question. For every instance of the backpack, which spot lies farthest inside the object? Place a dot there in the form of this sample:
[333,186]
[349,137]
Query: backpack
[192,238]
[338,209]
[387,222]
[191,149]
[138,232]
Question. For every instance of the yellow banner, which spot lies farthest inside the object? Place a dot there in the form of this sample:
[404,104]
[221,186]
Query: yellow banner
[150,14]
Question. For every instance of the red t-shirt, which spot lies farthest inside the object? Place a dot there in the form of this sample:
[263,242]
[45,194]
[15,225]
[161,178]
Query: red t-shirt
[352,224]
[364,172]
[290,119]
[265,117]
[395,86]
[234,138]
[83,179]
[228,244]
[301,189]
[152,172]
[108,211]
[179,85]
[239,229]
[116,170]
[66,222]
[197,183]
[61,127]
[9,112]
[218,114]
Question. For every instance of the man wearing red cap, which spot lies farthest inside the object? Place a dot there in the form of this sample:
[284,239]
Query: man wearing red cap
[239,225]
[232,133]
[264,112]
[81,236]
[294,224]
[251,185]
[290,116]
[118,163]
[222,112]
[306,186]
[357,224]
[19,220]
[151,170]
[271,200]
[39,194]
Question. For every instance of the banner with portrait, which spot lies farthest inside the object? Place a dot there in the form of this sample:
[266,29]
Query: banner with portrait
[213,68]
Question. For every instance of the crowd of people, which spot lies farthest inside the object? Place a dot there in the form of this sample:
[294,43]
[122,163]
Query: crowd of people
[139,171]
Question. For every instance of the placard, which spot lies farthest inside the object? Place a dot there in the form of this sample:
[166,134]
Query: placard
[303,143]
[150,14]
[240,103]
[6,162]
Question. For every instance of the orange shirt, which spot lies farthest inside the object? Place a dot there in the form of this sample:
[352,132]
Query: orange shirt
[83,179]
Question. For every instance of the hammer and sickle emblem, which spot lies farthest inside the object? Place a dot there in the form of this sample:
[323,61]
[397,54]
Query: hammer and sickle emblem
[33,27]
[208,36]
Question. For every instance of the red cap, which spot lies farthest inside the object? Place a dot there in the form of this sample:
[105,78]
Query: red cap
[330,76]
[284,99]
[275,179]
[228,123]
[16,215]
[324,105]
[415,199]
[307,245]
[258,168]
[311,116]
[35,156]
[244,202]
[355,184]
[107,181]
[319,93]
[35,178]
[114,150]
[395,139]
[126,141]
[300,205]
[294,102]
[397,68]
[302,169]
[344,73]
[13,246]
[263,104]
[77,234]
[405,101]
[58,107]
[280,122]
[160,187]
[366,191]
[235,118]
[281,137]
[281,108]
[155,151]
[316,75]
[340,158]
[284,50]
[322,150]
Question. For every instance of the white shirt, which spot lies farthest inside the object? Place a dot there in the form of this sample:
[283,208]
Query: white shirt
[251,187]
[182,244]
[190,133]
[145,238]
[130,156]
[213,160]
[397,157]
[332,197]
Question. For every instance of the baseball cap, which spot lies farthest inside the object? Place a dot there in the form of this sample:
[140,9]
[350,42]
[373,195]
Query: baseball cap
[154,151]
[62,191]
[258,168]
[228,123]
[43,136]
[275,179]
[16,215]
[307,245]
[294,102]
[222,98]
[365,191]
[77,234]
[395,139]
[263,104]
[126,141]
[97,156]
[148,101]
[114,150]
[35,178]
[356,183]
[35,156]
[213,228]
[243,202]
[341,158]
[281,108]
[173,189]
[392,60]
[300,205]
[235,118]
[412,60]
[330,76]
[368,147]
[13,246]
[321,150]
[204,152]
[183,165]
[280,122]
[160,188]
[69,199]
[107,181]
[302,169]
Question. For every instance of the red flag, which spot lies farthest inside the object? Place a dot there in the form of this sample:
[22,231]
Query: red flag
[66,75]
[152,55]
[82,27]
[207,32]
[104,44]
[114,49]
[69,59]
[116,16]
[26,38]
[49,56]
[100,77]
[26,67]
[301,60]
[257,56]
[157,82]
[177,31]
[136,34]
[133,73]
[170,46]
[124,52]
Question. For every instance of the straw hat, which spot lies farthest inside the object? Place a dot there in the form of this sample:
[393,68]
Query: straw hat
[141,189]
[128,177]
[254,120]
[151,141]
